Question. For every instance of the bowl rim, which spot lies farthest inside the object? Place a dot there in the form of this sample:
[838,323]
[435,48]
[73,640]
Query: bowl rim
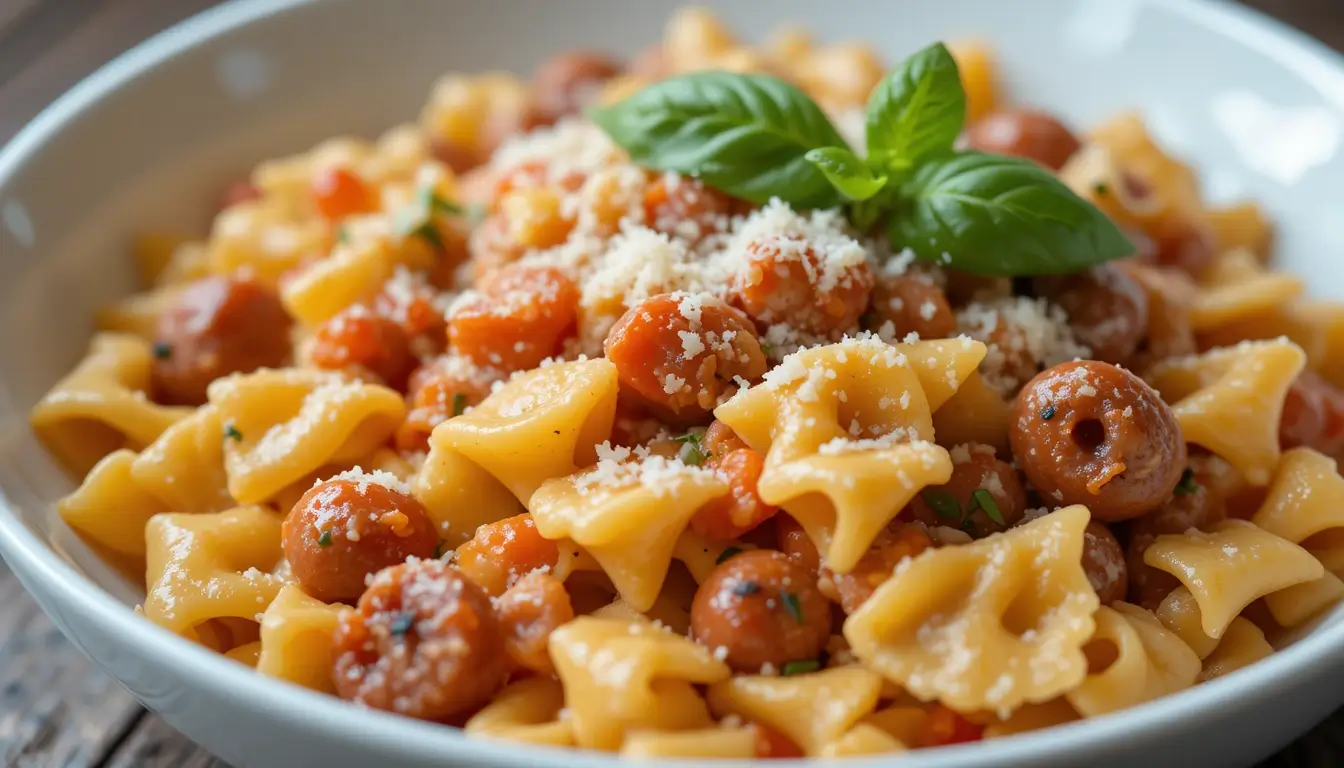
[1313,61]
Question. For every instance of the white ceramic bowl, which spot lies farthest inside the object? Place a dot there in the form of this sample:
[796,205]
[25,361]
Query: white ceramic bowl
[147,141]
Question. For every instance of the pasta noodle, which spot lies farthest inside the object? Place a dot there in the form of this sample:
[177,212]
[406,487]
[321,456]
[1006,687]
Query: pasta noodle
[510,421]
[813,710]
[102,406]
[1020,599]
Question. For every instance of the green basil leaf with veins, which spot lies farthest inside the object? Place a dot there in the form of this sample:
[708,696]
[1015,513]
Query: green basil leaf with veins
[917,110]
[993,215]
[743,134]
[847,172]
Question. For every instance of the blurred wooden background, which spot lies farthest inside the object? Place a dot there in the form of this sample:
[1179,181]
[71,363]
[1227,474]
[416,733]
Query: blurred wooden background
[56,709]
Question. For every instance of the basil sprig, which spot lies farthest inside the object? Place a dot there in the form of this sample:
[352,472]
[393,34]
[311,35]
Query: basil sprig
[743,134]
[757,137]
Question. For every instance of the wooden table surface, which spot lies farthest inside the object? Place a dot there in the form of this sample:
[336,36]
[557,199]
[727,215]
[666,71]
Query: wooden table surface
[56,708]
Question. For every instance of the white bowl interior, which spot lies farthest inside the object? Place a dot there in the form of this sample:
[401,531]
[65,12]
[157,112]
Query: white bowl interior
[147,144]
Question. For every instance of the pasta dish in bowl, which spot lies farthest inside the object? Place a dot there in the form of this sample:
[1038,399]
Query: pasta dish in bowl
[731,402]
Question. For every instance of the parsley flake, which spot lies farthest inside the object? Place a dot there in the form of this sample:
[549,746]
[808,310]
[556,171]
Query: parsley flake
[746,588]
[231,432]
[793,605]
[324,540]
[401,623]
[438,549]
[727,553]
[1187,485]
[691,453]
[1101,189]
[162,350]
[985,500]
[1048,412]
[459,403]
[343,235]
[944,504]
[801,667]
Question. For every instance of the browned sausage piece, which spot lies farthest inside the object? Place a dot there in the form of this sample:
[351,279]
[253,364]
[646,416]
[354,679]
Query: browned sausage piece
[423,642]
[979,481]
[217,326]
[342,530]
[529,612]
[1104,562]
[912,303]
[896,543]
[1024,133]
[762,608]
[1090,433]
[1192,505]
[568,82]
[1107,309]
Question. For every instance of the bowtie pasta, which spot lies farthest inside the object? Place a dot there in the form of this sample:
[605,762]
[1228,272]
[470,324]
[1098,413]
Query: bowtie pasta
[617,430]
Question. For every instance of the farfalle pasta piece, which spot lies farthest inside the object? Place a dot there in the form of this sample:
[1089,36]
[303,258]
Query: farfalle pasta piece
[281,425]
[102,406]
[1230,566]
[354,272]
[863,739]
[1230,400]
[1146,661]
[542,424]
[846,429]
[1303,500]
[212,566]
[722,743]
[184,467]
[527,710]
[1033,717]
[1179,612]
[458,494]
[1242,645]
[1237,288]
[812,710]
[989,625]
[264,237]
[110,508]
[296,639]
[625,676]
[628,515]
[977,413]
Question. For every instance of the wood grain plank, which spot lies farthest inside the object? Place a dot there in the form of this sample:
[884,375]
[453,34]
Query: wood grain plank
[154,744]
[56,707]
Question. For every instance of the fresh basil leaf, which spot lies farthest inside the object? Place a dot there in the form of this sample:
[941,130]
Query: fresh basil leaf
[917,110]
[847,172]
[743,134]
[993,215]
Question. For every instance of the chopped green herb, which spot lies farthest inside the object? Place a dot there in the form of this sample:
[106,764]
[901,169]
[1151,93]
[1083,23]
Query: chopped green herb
[944,504]
[792,605]
[1187,485]
[342,235]
[1048,412]
[438,549]
[435,203]
[401,623]
[801,667]
[231,432]
[968,525]
[746,588]
[162,350]
[727,553]
[691,454]
[459,403]
[986,501]
[1101,189]
[325,539]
